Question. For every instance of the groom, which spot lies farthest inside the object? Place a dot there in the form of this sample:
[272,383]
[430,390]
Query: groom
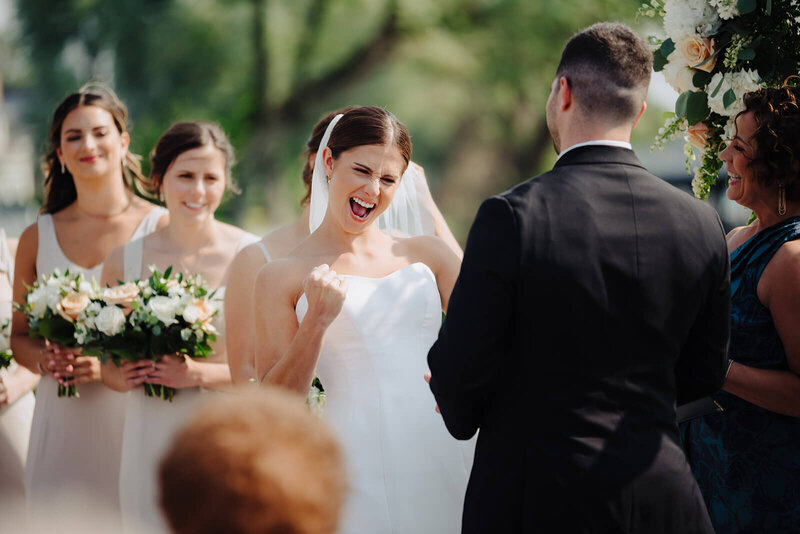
[591,299]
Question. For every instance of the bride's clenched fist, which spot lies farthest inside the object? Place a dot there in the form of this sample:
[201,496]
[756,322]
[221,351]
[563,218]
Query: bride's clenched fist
[325,292]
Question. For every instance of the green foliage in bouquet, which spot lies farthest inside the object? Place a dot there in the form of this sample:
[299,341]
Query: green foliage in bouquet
[714,52]
[143,320]
[5,346]
[316,397]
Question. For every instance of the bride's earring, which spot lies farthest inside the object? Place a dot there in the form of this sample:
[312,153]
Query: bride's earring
[781,200]
[63,168]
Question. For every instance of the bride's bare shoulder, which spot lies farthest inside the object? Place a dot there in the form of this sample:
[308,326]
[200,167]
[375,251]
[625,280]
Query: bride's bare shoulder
[418,248]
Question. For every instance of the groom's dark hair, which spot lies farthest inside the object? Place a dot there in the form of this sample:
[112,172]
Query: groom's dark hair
[608,67]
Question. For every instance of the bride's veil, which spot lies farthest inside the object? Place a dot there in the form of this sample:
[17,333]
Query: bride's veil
[404,217]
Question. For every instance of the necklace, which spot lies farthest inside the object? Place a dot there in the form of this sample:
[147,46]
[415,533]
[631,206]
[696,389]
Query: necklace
[104,215]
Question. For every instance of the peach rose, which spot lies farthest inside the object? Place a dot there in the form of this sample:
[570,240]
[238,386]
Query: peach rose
[123,294]
[696,135]
[198,311]
[71,306]
[696,49]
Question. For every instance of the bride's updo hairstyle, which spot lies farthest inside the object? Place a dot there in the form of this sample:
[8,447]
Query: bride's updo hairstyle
[369,125]
[183,136]
[776,159]
[59,187]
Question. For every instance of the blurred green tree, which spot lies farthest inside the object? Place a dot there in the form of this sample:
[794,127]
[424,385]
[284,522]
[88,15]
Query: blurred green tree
[468,77]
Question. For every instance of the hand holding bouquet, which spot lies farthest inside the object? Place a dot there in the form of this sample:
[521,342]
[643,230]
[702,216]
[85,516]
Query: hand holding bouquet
[57,307]
[151,318]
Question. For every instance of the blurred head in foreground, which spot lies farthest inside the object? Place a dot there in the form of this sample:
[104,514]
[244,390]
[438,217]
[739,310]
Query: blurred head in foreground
[253,463]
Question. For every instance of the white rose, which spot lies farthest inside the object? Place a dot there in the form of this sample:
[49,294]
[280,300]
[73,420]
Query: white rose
[52,293]
[94,308]
[729,130]
[37,299]
[741,83]
[164,309]
[175,290]
[677,73]
[86,287]
[110,320]
[683,18]
[727,8]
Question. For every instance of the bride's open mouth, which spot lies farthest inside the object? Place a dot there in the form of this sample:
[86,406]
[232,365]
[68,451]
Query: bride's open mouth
[360,208]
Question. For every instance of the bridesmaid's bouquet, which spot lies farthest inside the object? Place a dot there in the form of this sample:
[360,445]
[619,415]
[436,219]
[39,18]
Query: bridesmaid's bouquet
[163,314]
[5,346]
[56,308]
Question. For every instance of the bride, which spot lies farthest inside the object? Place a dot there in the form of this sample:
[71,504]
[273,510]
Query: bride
[360,308]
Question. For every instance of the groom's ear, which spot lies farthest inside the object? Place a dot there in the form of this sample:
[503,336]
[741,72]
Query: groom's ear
[639,116]
[564,94]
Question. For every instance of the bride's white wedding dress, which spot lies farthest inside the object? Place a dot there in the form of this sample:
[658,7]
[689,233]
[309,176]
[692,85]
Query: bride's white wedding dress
[407,475]
[151,423]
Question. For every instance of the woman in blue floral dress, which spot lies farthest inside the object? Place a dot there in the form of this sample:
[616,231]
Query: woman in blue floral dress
[746,458]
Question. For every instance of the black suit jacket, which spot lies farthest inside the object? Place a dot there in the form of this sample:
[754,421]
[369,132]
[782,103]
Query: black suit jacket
[590,299]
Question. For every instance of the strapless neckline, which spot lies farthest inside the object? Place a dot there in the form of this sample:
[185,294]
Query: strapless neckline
[392,274]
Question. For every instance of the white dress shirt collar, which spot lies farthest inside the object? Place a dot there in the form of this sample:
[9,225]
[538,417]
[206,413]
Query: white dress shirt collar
[600,142]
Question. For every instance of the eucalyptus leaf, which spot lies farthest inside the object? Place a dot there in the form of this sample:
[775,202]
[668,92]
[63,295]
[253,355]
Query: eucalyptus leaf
[681,103]
[717,88]
[728,98]
[746,6]
[748,54]
[667,47]
[701,79]
[697,107]
[709,58]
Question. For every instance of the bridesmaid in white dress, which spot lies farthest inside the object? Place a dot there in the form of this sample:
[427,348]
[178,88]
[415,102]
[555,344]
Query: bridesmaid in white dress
[16,409]
[191,170]
[89,208]
[361,308]
[279,243]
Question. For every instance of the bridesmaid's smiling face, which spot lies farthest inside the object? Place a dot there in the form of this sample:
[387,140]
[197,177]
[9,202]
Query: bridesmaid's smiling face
[363,181]
[194,183]
[91,146]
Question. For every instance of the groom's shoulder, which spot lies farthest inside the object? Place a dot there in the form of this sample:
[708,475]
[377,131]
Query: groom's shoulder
[542,185]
